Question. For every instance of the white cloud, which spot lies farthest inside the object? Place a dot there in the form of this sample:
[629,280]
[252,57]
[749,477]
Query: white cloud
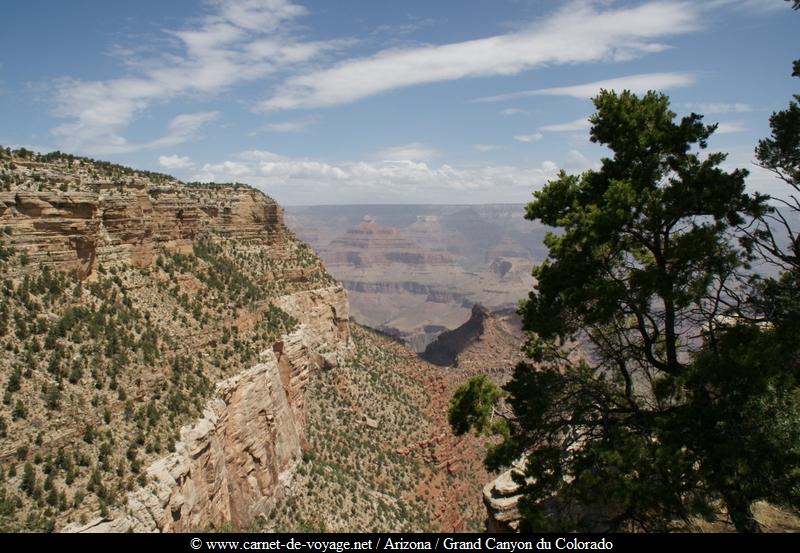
[513,111]
[296,125]
[240,41]
[416,151]
[637,84]
[534,137]
[576,125]
[182,128]
[577,162]
[486,147]
[577,33]
[175,162]
[549,166]
[258,156]
[259,15]
[309,181]
[712,108]
[730,128]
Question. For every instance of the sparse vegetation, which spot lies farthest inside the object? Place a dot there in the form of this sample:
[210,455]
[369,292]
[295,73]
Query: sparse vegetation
[353,476]
[98,374]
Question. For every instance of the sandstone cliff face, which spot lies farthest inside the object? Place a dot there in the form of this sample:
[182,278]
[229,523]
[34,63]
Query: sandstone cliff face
[322,341]
[236,462]
[203,277]
[105,223]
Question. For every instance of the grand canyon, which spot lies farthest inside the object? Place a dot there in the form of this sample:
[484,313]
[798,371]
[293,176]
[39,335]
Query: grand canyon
[399,271]
[201,369]
[415,271]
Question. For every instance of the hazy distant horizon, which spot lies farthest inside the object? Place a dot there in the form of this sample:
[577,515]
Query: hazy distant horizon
[406,204]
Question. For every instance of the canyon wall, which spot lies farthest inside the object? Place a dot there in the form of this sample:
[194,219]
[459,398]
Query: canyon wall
[414,271]
[236,462]
[218,278]
[103,222]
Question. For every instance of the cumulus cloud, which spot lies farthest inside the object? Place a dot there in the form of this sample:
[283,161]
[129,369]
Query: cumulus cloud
[534,137]
[241,40]
[638,84]
[549,166]
[175,162]
[296,181]
[580,32]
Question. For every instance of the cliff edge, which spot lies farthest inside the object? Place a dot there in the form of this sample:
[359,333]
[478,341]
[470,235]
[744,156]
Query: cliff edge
[134,305]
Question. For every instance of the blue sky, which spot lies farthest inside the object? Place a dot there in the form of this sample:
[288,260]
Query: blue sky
[320,102]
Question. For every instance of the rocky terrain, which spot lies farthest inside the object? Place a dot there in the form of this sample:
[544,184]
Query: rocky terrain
[416,271]
[173,358]
[445,349]
[147,327]
[380,453]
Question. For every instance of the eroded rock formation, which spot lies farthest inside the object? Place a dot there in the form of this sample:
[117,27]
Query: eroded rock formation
[445,349]
[411,267]
[104,222]
[234,463]
[208,276]
[501,497]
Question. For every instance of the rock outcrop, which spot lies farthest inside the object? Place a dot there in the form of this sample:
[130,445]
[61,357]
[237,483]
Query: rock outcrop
[104,222]
[445,349]
[205,277]
[501,497]
[236,462]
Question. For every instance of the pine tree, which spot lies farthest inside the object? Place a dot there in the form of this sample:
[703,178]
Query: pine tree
[640,412]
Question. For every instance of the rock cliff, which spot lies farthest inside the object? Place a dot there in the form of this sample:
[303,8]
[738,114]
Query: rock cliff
[105,222]
[236,462]
[445,349]
[164,305]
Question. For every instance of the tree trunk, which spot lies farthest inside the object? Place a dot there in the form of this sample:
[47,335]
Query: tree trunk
[741,513]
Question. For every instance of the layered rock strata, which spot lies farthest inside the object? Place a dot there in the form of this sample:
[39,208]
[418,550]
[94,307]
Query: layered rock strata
[236,462]
[102,222]
[501,497]
[231,464]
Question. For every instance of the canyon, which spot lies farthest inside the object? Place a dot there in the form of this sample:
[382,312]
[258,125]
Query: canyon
[174,358]
[415,271]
